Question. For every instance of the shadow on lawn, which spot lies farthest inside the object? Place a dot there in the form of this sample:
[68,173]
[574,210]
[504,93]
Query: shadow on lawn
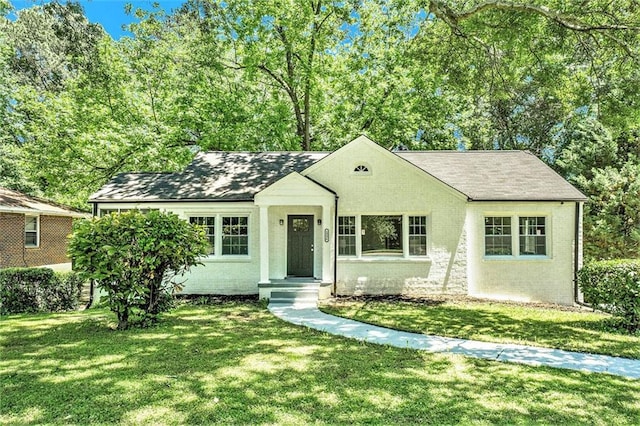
[486,324]
[235,363]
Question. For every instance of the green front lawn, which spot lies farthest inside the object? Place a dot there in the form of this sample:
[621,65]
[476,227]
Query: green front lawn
[236,363]
[562,328]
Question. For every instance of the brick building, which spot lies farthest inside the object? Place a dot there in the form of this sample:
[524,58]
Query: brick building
[33,232]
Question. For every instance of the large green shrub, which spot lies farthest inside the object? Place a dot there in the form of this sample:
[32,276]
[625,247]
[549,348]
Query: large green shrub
[134,259]
[614,286]
[25,290]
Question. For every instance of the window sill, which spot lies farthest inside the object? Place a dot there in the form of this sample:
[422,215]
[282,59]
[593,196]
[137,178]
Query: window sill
[382,259]
[226,259]
[522,258]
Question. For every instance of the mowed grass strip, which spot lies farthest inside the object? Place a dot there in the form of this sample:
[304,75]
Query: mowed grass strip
[554,327]
[235,363]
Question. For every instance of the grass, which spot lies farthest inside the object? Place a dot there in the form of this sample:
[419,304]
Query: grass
[562,328]
[235,363]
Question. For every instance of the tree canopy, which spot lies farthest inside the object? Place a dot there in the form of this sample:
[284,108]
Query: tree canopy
[558,78]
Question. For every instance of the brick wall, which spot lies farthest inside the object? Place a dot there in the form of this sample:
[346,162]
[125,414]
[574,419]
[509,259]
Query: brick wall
[53,241]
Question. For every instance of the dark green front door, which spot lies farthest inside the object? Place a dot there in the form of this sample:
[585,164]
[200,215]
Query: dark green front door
[300,246]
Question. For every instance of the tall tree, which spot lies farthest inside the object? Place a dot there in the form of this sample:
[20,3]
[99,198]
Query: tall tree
[51,43]
[284,45]
[524,67]
[607,170]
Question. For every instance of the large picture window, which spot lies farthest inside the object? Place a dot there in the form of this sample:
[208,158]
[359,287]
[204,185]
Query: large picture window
[497,236]
[533,239]
[209,225]
[347,235]
[381,235]
[235,235]
[31,231]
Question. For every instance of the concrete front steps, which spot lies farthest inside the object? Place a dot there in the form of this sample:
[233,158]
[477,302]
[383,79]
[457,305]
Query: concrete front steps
[294,291]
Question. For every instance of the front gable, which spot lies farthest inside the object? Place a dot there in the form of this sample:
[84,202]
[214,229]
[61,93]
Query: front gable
[294,189]
[368,177]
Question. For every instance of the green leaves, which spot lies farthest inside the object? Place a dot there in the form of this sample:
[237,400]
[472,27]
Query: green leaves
[614,287]
[607,170]
[77,108]
[134,258]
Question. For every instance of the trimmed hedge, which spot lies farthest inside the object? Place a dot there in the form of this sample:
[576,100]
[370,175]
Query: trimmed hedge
[613,286]
[28,290]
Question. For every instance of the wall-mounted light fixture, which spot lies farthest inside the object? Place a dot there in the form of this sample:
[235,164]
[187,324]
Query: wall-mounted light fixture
[281,222]
[319,222]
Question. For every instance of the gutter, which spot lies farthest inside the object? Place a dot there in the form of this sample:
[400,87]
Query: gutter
[43,212]
[576,254]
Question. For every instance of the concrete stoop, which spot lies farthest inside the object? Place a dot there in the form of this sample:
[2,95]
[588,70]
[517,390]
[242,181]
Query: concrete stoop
[306,296]
[291,291]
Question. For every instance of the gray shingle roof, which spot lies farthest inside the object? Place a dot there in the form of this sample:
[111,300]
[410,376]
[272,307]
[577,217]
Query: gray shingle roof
[495,175]
[223,176]
[238,176]
[17,202]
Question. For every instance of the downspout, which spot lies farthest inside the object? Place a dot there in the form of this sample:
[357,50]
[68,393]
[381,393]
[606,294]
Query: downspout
[94,211]
[576,254]
[335,248]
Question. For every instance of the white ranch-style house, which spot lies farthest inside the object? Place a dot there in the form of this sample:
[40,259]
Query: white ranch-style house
[365,220]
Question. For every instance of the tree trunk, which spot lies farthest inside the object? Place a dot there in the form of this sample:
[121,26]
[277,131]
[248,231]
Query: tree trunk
[123,320]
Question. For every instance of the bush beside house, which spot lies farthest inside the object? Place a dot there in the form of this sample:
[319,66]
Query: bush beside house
[30,290]
[134,258]
[614,287]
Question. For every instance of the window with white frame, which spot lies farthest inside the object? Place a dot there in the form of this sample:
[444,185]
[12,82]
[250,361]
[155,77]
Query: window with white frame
[533,239]
[497,236]
[347,235]
[417,235]
[381,235]
[235,235]
[209,224]
[31,231]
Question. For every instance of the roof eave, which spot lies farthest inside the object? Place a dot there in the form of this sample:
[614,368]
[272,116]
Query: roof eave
[527,200]
[23,210]
[170,200]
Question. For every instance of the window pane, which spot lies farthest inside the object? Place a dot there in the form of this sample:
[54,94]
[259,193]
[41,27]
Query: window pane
[417,235]
[417,245]
[31,223]
[497,239]
[208,222]
[300,225]
[235,235]
[533,239]
[347,235]
[31,239]
[382,235]
[31,231]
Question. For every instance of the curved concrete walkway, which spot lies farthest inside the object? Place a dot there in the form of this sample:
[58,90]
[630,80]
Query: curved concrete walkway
[308,315]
